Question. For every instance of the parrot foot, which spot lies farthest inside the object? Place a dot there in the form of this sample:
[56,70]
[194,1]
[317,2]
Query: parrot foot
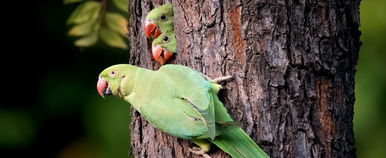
[221,79]
[199,151]
[218,79]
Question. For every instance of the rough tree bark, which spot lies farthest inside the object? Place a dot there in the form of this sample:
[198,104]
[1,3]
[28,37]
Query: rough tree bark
[294,66]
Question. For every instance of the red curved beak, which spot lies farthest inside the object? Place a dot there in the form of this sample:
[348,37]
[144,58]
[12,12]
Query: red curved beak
[161,55]
[151,30]
[102,86]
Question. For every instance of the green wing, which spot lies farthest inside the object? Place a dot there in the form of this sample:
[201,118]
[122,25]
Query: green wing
[206,112]
[196,91]
[229,136]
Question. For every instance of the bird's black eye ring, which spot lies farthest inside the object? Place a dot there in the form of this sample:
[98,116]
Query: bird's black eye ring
[165,38]
[163,17]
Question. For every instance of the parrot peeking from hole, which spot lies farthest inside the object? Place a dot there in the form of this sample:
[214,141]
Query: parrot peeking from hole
[159,20]
[163,47]
[181,102]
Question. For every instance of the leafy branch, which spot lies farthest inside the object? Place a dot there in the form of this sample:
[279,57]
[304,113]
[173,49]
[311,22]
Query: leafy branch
[92,20]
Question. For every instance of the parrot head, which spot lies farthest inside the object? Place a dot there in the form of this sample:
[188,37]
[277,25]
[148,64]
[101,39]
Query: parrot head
[159,20]
[109,81]
[163,47]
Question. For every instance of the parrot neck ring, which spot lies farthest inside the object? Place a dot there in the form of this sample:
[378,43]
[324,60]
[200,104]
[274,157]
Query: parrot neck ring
[151,30]
[103,87]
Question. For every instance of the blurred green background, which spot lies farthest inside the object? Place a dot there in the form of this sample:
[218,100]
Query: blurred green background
[55,110]
[52,108]
[370,82]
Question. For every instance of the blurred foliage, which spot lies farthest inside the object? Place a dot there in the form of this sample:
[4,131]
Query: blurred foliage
[93,20]
[18,128]
[54,111]
[370,89]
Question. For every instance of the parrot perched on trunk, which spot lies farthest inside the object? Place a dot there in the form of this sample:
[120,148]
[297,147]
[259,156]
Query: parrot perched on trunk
[163,47]
[159,20]
[181,102]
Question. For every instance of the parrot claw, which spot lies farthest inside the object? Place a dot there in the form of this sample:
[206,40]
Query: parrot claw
[199,151]
[218,79]
[221,79]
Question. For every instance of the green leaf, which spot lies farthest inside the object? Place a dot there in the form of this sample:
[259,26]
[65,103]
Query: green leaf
[87,41]
[116,22]
[71,1]
[112,38]
[122,4]
[85,12]
[82,29]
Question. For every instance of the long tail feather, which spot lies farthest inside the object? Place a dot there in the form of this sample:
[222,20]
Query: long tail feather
[239,145]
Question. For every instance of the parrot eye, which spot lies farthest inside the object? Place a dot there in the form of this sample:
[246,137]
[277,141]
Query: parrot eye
[163,17]
[112,74]
[165,38]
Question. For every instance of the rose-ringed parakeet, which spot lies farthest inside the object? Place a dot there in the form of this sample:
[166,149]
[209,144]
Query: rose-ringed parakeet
[163,47]
[181,102]
[159,20]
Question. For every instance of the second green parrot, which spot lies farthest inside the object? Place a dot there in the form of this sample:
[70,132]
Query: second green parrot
[163,47]
[181,102]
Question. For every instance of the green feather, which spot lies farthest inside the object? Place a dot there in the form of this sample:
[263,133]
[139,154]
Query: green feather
[239,145]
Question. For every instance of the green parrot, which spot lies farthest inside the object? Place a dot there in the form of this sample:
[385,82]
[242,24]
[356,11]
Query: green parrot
[163,47]
[181,102]
[159,20]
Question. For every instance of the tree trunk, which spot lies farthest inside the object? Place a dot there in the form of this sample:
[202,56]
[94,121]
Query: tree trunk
[294,66]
